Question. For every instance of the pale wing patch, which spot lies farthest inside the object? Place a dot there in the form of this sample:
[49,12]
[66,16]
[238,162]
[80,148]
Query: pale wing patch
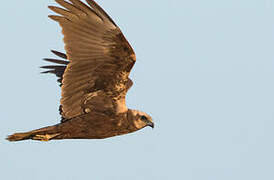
[89,96]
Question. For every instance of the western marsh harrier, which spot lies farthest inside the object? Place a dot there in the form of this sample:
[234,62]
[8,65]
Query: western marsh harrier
[93,75]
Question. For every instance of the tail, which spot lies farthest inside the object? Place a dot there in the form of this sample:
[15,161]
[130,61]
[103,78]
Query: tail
[43,134]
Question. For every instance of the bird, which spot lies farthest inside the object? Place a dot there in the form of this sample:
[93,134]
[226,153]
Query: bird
[94,77]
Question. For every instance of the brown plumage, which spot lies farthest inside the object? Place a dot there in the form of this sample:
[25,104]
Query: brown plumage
[93,76]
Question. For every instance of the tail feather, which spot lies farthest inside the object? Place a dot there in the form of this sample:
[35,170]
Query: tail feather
[19,136]
[43,134]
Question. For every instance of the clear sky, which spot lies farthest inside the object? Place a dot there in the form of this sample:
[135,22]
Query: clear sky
[205,73]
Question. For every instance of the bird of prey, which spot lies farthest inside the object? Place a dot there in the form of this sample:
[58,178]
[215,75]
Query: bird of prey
[93,75]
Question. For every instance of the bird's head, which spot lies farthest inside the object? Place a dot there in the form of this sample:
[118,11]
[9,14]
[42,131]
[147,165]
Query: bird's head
[141,119]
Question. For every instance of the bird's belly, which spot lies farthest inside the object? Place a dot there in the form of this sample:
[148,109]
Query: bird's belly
[99,127]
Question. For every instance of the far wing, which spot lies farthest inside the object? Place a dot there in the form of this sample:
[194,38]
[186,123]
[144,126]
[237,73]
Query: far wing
[58,68]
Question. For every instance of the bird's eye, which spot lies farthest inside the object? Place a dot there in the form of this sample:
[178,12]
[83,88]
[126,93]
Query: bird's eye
[143,118]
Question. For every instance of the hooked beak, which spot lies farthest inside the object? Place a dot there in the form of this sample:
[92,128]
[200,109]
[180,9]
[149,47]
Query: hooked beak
[151,124]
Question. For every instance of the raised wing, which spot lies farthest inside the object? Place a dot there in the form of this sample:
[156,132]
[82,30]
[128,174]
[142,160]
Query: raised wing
[100,60]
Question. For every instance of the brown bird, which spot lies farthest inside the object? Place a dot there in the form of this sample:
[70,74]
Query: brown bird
[93,75]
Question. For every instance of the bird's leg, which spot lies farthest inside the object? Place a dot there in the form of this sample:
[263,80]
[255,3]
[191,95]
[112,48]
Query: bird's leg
[45,137]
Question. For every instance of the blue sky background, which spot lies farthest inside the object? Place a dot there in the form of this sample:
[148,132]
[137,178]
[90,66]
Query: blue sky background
[205,72]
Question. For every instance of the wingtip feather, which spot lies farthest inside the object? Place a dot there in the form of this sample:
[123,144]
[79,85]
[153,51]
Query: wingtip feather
[57,53]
